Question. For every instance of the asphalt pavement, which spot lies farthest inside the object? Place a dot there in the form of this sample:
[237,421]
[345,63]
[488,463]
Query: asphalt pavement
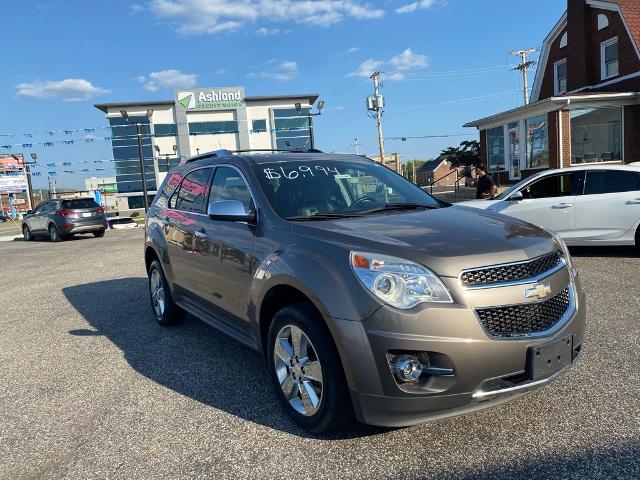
[91,387]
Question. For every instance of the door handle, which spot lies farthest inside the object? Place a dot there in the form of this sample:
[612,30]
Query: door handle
[562,205]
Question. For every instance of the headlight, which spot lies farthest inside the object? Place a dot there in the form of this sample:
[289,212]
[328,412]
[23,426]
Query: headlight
[398,282]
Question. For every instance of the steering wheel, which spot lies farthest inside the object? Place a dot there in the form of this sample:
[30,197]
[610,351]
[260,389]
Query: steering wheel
[364,199]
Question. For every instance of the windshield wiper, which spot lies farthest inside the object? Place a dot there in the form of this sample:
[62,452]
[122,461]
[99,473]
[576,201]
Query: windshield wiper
[398,206]
[323,216]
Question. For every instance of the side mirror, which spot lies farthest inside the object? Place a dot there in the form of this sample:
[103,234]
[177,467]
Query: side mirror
[230,211]
[516,197]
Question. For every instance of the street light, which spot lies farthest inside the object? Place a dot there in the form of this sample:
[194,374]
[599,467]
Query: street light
[125,116]
[310,116]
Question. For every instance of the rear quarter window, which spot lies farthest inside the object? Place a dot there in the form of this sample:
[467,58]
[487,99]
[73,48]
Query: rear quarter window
[78,203]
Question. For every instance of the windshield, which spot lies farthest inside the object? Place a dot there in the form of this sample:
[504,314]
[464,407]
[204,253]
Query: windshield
[300,189]
[514,188]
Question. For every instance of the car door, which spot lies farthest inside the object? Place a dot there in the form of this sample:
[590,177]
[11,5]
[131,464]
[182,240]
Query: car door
[227,250]
[610,206]
[40,220]
[548,202]
[187,207]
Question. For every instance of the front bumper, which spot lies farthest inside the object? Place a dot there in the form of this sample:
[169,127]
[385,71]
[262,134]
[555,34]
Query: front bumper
[486,371]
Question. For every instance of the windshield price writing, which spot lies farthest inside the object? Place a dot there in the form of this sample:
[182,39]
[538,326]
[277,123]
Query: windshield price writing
[301,171]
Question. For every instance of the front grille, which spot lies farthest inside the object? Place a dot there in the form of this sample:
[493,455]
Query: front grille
[525,319]
[510,273]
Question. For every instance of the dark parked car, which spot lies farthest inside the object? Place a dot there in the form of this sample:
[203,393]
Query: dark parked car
[61,219]
[367,295]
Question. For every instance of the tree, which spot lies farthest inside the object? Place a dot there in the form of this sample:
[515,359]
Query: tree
[467,154]
[409,168]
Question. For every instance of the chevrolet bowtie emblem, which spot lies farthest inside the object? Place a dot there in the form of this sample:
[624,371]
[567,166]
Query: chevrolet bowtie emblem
[539,290]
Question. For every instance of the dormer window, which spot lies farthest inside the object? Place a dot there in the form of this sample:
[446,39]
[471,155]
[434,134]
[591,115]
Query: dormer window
[560,77]
[609,58]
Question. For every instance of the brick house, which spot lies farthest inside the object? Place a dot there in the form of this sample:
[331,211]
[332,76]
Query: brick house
[585,101]
[438,171]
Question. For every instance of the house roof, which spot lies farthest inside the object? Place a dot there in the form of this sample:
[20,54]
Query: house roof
[431,165]
[552,103]
[630,10]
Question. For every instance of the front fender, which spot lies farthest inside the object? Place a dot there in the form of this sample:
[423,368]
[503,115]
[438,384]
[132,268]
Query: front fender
[155,239]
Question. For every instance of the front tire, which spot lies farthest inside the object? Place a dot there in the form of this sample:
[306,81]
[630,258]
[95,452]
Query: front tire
[164,309]
[26,233]
[306,370]
[99,234]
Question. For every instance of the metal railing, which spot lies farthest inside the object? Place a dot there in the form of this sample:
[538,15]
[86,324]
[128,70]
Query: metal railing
[456,186]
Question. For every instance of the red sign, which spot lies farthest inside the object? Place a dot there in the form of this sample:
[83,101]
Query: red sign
[12,162]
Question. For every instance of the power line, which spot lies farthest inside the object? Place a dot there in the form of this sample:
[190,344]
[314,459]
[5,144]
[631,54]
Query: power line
[524,65]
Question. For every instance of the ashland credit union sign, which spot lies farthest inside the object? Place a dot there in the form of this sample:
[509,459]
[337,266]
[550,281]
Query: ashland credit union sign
[227,98]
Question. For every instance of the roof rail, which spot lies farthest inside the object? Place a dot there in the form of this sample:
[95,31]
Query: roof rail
[213,154]
[286,150]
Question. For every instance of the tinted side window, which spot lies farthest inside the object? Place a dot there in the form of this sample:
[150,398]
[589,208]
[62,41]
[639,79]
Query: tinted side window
[611,181]
[192,193]
[80,203]
[228,184]
[551,186]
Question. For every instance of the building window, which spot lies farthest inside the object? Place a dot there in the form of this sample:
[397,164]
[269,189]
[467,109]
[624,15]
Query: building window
[538,142]
[609,58]
[292,128]
[495,149]
[126,154]
[560,76]
[596,135]
[259,126]
[213,128]
[165,129]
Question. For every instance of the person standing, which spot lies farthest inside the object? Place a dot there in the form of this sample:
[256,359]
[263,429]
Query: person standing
[486,189]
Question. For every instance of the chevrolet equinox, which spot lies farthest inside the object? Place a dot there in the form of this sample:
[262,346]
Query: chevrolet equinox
[369,297]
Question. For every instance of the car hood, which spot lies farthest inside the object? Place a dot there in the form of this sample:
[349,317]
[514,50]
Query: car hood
[483,204]
[447,240]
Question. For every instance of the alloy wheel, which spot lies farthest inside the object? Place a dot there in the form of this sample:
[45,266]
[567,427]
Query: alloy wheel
[53,234]
[26,233]
[157,293]
[298,370]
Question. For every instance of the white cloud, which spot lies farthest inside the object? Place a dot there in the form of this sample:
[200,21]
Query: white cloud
[279,70]
[407,60]
[69,89]
[353,49]
[265,32]
[167,79]
[366,68]
[419,5]
[399,64]
[198,17]
[135,8]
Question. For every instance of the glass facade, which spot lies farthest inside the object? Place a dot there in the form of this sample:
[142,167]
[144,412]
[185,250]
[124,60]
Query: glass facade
[596,135]
[292,128]
[259,126]
[538,142]
[126,155]
[495,149]
[165,164]
[165,129]
[212,128]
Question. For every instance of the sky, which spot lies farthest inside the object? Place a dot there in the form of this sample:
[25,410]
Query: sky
[444,63]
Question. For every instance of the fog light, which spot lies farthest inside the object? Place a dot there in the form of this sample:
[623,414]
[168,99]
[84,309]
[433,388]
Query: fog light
[406,368]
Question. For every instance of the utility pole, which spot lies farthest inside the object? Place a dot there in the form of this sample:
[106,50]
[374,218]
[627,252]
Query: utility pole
[376,104]
[524,65]
[414,171]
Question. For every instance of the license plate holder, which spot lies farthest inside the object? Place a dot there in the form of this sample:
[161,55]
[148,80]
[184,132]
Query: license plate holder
[549,358]
[86,215]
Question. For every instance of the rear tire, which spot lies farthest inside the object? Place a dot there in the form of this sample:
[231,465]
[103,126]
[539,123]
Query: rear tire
[54,236]
[26,233]
[164,309]
[638,237]
[309,370]
[99,234]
